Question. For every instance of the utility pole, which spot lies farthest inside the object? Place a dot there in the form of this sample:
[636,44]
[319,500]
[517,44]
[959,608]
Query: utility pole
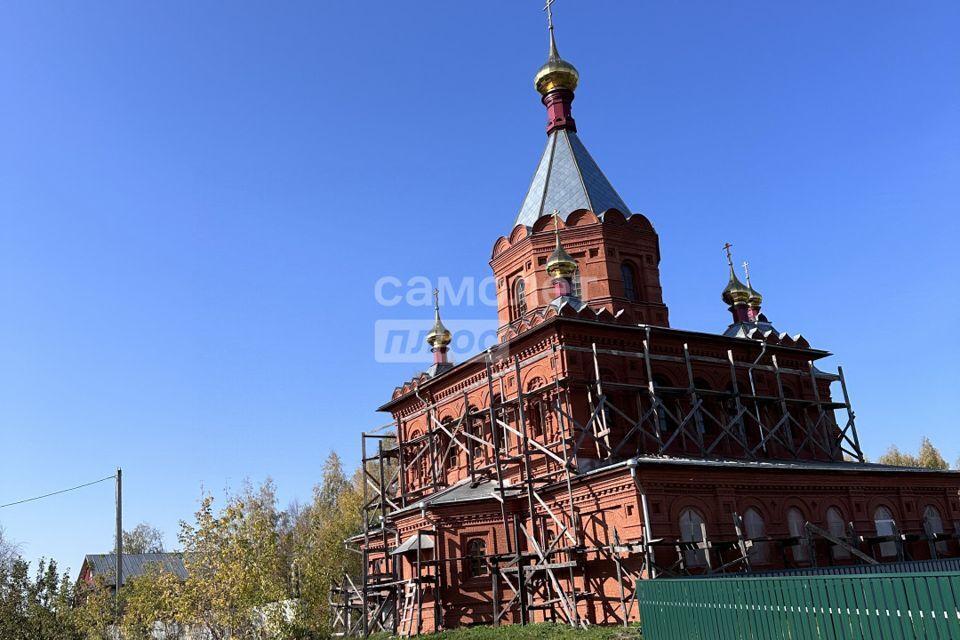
[119,537]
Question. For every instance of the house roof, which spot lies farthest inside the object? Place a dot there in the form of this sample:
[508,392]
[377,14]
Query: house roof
[568,179]
[134,564]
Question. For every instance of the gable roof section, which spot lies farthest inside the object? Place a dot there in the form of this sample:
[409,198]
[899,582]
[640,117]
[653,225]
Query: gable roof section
[568,179]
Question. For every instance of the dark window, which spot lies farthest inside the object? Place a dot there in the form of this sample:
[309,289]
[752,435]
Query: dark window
[691,531]
[519,298]
[477,564]
[838,529]
[629,282]
[756,531]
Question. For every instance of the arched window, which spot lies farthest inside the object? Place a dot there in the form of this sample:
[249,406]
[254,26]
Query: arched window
[934,525]
[669,409]
[755,528]
[519,298]
[885,525]
[629,282]
[838,529]
[796,522]
[476,562]
[691,531]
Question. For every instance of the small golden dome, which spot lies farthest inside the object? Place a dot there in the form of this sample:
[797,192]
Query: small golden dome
[560,264]
[755,299]
[439,335]
[556,73]
[736,292]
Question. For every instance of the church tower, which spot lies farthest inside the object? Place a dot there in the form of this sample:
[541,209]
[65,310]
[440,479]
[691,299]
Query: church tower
[616,252]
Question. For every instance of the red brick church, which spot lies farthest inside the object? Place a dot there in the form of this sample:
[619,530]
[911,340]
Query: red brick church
[597,445]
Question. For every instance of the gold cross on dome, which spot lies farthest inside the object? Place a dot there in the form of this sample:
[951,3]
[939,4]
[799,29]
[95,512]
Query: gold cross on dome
[549,10]
[436,299]
[746,271]
[727,248]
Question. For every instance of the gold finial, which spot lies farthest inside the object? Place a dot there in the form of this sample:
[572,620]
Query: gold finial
[439,335]
[548,7]
[560,264]
[746,271]
[556,73]
[735,292]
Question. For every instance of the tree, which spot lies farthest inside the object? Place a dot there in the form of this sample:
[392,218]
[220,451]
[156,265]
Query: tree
[94,615]
[928,457]
[9,550]
[152,606]
[35,607]
[143,538]
[320,557]
[233,564]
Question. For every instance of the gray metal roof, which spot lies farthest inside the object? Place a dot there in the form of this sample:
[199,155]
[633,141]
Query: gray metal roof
[414,542]
[789,465]
[134,564]
[462,492]
[568,179]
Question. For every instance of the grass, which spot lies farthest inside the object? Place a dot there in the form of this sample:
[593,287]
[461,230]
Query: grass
[544,631]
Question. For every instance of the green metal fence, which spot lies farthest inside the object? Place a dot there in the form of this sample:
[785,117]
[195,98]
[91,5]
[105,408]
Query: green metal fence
[895,605]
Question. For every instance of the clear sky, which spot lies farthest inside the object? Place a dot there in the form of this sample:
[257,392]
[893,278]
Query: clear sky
[197,200]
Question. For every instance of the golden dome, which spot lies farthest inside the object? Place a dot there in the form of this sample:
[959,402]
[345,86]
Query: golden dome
[560,264]
[439,335]
[755,299]
[736,292]
[556,73]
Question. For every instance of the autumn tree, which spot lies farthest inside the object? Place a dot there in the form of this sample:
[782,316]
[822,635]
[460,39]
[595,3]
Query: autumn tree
[143,538]
[928,457]
[152,606]
[320,556]
[234,568]
[95,610]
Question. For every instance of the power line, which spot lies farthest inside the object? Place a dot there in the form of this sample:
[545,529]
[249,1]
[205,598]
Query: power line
[47,495]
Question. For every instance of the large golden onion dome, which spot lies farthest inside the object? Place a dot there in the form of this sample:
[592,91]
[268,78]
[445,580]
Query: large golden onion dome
[736,292]
[556,73]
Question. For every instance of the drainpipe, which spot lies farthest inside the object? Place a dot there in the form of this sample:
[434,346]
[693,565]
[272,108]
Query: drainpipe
[632,464]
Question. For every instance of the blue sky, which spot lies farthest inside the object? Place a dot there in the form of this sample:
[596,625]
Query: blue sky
[198,198]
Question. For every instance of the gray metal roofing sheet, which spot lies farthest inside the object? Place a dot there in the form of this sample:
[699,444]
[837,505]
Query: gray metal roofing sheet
[414,542]
[134,564]
[567,178]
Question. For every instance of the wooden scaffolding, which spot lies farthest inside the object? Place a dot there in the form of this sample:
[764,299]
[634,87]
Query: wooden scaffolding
[546,549]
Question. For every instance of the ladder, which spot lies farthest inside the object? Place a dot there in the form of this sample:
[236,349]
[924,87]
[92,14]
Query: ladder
[406,613]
